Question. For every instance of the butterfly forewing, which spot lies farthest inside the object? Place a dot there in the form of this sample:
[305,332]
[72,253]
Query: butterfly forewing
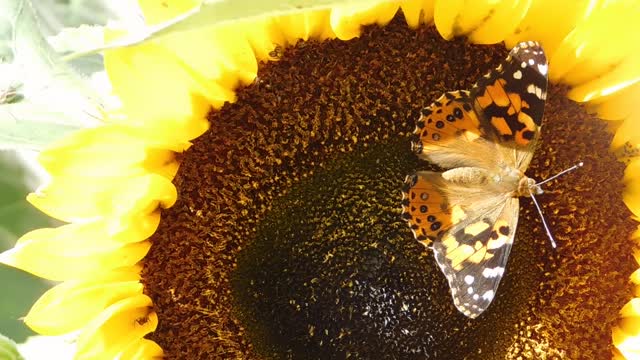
[486,137]
[510,101]
[449,133]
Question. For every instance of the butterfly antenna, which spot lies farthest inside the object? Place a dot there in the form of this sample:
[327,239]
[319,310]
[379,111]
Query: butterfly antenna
[544,222]
[535,201]
[578,165]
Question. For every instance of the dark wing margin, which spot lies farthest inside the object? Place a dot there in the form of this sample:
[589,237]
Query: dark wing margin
[473,258]
[510,101]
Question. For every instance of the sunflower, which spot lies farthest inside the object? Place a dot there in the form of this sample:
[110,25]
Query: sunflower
[274,151]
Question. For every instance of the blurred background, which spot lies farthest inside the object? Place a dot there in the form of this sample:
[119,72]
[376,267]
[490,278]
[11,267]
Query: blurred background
[18,176]
[29,31]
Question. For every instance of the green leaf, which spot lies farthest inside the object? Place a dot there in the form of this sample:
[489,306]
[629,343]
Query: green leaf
[214,12]
[32,129]
[49,99]
[8,349]
[17,217]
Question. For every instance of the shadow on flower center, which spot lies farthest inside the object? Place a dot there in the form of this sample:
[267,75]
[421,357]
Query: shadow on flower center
[287,241]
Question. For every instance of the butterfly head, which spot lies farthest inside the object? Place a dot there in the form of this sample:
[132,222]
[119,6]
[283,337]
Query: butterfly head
[528,187]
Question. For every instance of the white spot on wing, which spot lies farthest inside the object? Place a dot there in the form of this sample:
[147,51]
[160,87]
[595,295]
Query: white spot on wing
[469,290]
[531,62]
[493,272]
[543,68]
[469,279]
[523,65]
[488,295]
[517,75]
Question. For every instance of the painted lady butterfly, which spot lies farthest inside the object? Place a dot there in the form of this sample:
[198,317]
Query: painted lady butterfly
[486,137]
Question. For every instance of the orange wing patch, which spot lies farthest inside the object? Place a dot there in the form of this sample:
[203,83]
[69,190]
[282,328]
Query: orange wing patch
[512,121]
[448,118]
[426,209]
[494,94]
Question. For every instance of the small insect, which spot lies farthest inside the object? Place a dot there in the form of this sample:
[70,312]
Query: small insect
[277,52]
[486,137]
[142,320]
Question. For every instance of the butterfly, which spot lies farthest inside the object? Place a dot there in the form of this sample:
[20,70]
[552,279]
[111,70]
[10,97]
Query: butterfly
[486,138]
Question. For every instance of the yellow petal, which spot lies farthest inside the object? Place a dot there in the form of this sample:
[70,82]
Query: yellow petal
[347,21]
[627,344]
[549,22]
[309,25]
[143,195]
[117,328]
[43,253]
[444,16]
[218,55]
[263,36]
[626,336]
[629,131]
[486,22]
[501,20]
[632,308]
[624,75]
[92,152]
[140,74]
[417,12]
[142,349]
[618,105]
[631,195]
[156,11]
[590,50]
[86,198]
[635,277]
[71,305]
[105,234]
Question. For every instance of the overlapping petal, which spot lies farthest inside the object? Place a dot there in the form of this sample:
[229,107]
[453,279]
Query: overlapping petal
[484,22]
[117,328]
[71,305]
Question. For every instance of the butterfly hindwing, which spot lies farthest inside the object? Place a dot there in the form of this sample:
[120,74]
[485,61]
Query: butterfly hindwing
[472,237]
[473,257]
[425,207]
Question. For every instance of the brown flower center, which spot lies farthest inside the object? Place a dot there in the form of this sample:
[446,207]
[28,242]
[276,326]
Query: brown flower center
[286,240]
